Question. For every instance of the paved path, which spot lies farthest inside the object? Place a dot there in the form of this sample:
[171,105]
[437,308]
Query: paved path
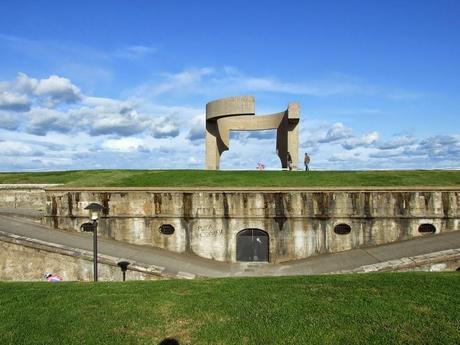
[172,262]
[175,263]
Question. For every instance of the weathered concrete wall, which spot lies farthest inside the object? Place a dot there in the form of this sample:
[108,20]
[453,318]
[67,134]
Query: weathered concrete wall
[23,196]
[22,260]
[299,223]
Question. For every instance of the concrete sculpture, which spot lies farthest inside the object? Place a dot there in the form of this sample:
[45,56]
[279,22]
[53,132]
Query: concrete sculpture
[234,114]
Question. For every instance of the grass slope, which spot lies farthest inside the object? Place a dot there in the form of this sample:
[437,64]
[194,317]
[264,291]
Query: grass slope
[394,308]
[200,178]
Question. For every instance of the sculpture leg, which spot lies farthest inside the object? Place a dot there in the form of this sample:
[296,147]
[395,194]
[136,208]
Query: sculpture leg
[212,153]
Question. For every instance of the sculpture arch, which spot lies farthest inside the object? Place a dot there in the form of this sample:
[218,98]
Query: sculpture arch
[237,114]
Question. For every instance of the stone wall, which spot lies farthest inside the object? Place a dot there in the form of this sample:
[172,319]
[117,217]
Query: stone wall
[27,260]
[299,223]
[23,196]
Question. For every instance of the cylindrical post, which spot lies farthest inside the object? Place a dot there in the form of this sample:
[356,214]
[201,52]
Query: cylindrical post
[95,250]
[124,275]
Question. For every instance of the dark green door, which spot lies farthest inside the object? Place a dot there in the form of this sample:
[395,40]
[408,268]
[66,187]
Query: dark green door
[252,245]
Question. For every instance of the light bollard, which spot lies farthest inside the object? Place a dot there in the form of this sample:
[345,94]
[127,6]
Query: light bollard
[94,211]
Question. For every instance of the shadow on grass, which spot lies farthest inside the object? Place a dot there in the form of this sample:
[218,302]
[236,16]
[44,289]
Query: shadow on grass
[169,341]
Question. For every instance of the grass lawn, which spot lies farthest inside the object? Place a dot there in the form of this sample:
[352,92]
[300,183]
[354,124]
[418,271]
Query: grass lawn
[200,178]
[391,308]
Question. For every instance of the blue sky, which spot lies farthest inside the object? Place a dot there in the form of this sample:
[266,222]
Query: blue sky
[118,84]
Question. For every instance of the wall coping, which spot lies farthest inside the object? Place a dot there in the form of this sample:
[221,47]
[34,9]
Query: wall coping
[28,185]
[251,189]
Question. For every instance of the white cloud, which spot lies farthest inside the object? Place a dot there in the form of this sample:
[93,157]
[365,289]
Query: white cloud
[364,141]
[180,82]
[23,84]
[311,88]
[100,101]
[229,80]
[397,142]
[14,102]
[193,160]
[335,133]
[165,128]
[44,120]
[14,148]
[121,120]
[441,147]
[123,144]
[58,89]
[197,130]
[50,91]
[9,121]
[221,82]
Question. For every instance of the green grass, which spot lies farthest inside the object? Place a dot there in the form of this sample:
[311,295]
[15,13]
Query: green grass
[391,308]
[200,178]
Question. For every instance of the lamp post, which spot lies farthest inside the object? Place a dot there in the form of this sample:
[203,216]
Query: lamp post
[94,211]
[124,266]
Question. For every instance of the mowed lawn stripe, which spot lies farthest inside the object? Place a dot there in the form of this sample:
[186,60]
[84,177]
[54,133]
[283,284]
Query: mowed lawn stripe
[206,178]
[391,308]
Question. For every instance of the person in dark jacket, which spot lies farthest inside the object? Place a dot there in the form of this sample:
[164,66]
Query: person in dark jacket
[306,161]
[289,161]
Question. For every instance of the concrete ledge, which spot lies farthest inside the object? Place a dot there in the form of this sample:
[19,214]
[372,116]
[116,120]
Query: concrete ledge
[253,189]
[29,186]
[430,260]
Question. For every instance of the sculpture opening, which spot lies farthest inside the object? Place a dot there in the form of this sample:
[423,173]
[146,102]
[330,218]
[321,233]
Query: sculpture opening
[251,150]
[238,114]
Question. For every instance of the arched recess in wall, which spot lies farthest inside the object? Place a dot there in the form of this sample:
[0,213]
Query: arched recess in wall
[427,228]
[248,148]
[167,229]
[252,245]
[342,229]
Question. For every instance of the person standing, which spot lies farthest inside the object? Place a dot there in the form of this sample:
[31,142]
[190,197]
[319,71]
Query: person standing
[306,161]
[289,161]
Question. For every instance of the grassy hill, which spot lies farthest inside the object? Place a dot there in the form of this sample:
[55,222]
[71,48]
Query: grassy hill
[199,178]
[394,308]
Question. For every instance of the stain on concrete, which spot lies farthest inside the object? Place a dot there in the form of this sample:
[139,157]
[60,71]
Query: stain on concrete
[280,217]
[70,205]
[427,199]
[367,206]
[321,200]
[445,204]
[404,229]
[105,199]
[157,202]
[54,212]
[402,204]
[225,206]
[354,198]
[245,201]
[187,205]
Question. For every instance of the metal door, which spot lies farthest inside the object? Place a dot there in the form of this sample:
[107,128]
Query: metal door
[252,245]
